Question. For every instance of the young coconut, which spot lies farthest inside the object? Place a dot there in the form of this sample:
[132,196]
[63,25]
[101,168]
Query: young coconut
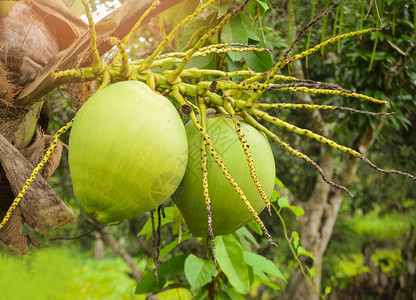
[127,152]
[228,211]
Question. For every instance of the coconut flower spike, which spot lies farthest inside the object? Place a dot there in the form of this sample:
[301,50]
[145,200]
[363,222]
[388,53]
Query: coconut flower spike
[203,113]
[97,65]
[318,106]
[323,140]
[228,106]
[178,97]
[250,120]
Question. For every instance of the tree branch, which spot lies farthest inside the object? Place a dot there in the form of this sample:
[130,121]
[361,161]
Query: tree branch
[395,70]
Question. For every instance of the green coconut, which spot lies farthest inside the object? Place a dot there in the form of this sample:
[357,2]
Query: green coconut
[127,152]
[228,211]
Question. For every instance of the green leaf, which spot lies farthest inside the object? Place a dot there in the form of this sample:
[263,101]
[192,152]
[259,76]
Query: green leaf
[283,202]
[275,196]
[297,211]
[169,247]
[234,295]
[202,62]
[230,258]
[181,11]
[243,232]
[295,238]
[327,290]
[234,32]
[265,280]
[255,227]
[278,183]
[169,270]
[263,5]
[199,271]
[259,262]
[312,271]
[259,61]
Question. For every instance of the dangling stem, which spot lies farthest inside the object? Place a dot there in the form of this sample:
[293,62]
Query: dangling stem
[229,108]
[203,114]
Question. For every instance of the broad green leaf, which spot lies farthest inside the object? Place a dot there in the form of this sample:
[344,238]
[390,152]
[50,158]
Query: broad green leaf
[221,9]
[230,258]
[222,296]
[234,32]
[234,295]
[278,183]
[283,202]
[203,295]
[199,271]
[189,33]
[181,11]
[265,280]
[275,196]
[243,231]
[327,290]
[259,262]
[202,62]
[255,227]
[297,211]
[263,5]
[169,270]
[312,271]
[169,247]
[259,61]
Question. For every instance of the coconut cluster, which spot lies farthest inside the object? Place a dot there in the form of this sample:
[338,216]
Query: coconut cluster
[129,152]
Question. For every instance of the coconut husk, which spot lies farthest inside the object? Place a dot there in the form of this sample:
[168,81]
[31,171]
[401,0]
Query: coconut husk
[28,43]
[55,158]
[81,92]
[40,208]
[11,234]
[78,54]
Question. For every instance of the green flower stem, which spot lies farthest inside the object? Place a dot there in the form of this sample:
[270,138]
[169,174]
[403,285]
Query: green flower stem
[97,65]
[315,106]
[301,131]
[203,114]
[283,62]
[152,7]
[295,256]
[250,120]
[148,62]
[125,69]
